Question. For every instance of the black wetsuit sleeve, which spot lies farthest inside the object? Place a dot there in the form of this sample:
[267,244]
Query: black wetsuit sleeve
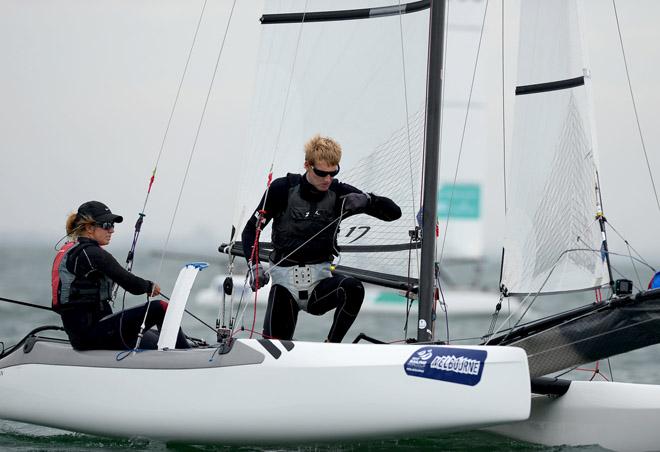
[105,263]
[276,202]
[379,206]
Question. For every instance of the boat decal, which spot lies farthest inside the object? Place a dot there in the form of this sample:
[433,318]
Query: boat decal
[270,348]
[288,345]
[456,365]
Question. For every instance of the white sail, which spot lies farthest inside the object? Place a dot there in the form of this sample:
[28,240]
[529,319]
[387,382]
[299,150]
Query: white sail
[553,240]
[345,79]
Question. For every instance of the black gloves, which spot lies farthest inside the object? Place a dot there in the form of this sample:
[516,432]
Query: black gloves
[355,202]
[258,275]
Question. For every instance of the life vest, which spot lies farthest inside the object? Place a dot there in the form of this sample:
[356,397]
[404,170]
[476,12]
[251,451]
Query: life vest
[301,220]
[67,288]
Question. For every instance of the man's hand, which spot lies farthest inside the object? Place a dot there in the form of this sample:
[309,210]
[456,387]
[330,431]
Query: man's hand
[258,275]
[355,202]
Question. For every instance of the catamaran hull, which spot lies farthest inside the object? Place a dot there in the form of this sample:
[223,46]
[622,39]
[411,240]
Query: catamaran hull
[261,391]
[588,334]
[618,416]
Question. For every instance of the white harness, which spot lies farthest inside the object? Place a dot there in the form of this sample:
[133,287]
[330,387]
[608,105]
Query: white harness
[300,280]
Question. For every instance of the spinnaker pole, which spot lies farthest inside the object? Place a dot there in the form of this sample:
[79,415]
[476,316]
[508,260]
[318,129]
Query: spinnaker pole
[431,158]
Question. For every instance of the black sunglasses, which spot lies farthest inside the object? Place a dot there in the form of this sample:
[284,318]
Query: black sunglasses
[321,173]
[106,225]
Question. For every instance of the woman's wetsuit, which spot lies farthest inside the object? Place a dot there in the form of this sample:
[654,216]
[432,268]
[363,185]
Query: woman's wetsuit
[89,321]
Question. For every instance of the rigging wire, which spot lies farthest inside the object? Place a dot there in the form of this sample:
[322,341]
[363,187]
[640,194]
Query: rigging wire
[138,224]
[141,215]
[465,121]
[175,103]
[194,146]
[288,89]
[262,211]
[634,104]
[534,296]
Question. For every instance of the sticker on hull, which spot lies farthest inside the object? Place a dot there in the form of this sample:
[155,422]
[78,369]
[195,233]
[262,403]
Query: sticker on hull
[456,365]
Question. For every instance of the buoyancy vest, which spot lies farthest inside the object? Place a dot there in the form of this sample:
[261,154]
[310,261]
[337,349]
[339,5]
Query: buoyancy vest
[301,220]
[67,288]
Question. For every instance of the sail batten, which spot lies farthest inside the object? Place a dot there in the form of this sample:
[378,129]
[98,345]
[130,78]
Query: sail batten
[348,14]
[550,86]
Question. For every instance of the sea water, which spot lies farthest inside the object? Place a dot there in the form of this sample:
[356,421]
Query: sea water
[25,276]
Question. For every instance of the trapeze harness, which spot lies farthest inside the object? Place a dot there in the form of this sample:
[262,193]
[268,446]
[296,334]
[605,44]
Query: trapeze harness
[69,289]
[292,229]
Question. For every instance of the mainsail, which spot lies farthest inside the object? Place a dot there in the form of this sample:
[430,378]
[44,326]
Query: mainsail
[345,79]
[553,240]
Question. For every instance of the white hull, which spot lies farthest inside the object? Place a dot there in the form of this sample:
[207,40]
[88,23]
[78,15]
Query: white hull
[618,416]
[309,392]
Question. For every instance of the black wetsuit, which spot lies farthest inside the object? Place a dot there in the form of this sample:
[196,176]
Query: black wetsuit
[343,293]
[90,323]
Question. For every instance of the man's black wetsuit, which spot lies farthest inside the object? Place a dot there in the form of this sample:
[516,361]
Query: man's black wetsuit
[90,323]
[294,226]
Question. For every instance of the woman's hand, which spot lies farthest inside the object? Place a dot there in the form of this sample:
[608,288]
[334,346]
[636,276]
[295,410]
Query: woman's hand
[155,290]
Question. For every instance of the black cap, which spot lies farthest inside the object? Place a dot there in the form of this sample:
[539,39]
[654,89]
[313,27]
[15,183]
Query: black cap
[99,212]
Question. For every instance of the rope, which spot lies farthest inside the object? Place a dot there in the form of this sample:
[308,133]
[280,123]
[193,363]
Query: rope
[194,146]
[632,98]
[23,303]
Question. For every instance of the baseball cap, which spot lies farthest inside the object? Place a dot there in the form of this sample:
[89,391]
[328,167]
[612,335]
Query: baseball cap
[99,212]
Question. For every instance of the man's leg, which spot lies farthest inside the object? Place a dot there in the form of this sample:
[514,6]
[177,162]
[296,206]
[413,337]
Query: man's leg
[342,293]
[281,314]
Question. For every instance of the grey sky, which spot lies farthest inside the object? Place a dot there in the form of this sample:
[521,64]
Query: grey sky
[87,87]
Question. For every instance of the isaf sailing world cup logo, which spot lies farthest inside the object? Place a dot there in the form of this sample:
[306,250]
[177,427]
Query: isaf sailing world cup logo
[454,365]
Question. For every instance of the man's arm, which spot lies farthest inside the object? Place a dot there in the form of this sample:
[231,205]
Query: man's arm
[376,206]
[275,203]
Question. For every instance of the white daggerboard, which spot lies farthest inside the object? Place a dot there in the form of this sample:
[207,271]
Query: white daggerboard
[177,304]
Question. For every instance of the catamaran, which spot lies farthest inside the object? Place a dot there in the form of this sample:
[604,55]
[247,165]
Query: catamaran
[472,386]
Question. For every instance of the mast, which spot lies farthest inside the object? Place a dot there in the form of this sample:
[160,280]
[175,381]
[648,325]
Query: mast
[431,157]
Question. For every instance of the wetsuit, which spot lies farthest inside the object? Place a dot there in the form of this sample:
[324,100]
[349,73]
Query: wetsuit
[293,226]
[88,320]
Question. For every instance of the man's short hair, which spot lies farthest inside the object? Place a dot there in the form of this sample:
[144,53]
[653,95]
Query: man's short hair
[322,149]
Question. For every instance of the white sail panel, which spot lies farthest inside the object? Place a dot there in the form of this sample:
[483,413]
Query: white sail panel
[344,80]
[553,240]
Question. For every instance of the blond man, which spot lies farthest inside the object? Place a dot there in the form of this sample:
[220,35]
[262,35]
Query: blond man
[306,209]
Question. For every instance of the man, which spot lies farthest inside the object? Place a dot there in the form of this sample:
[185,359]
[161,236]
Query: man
[306,210]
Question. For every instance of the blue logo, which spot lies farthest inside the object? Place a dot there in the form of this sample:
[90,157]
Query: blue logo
[456,365]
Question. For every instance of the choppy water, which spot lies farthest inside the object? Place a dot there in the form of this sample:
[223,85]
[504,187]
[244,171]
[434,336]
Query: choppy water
[25,275]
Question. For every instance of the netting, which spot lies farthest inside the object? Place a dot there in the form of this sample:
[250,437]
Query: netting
[393,169]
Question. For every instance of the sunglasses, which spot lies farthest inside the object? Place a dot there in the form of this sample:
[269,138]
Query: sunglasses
[321,173]
[106,225]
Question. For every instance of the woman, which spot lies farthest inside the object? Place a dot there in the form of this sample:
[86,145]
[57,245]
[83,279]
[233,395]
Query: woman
[83,278]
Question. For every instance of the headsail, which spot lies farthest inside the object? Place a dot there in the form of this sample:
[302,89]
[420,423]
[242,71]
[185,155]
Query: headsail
[553,240]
